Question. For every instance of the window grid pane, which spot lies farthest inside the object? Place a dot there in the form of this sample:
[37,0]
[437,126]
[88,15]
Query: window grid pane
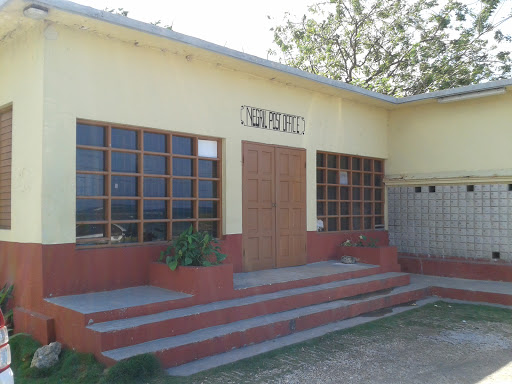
[349,192]
[135,196]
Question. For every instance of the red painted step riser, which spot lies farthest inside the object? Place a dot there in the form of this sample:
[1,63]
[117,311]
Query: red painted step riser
[173,327]
[150,309]
[263,289]
[484,297]
[185,354]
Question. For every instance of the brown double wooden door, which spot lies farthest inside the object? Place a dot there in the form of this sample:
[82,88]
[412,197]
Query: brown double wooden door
[274,207]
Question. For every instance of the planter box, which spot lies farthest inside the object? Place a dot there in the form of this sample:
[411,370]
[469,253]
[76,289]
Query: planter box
[207,284]
[384,256]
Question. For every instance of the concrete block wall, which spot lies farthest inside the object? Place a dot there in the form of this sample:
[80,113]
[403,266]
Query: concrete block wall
[466,221]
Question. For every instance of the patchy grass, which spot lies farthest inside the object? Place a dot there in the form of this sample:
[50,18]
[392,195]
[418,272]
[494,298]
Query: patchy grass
[83,368]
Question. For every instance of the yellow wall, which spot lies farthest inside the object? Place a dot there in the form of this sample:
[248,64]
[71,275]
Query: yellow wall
[92,77]
[459,139]
[21,83]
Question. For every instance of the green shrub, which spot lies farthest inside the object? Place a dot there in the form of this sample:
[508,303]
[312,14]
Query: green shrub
[198,249]
[138,369]
[5,296]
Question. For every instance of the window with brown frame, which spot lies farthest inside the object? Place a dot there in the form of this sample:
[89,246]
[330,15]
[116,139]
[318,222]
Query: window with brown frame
[5,167]
[350,193]
[136,185]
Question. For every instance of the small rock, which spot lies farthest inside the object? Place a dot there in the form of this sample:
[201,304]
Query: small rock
[348,260]
[47,356]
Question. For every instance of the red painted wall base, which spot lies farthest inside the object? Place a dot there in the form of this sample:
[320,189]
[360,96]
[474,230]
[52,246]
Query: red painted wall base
[456,267]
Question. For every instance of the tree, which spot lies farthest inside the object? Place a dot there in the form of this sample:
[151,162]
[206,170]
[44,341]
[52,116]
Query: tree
[399,47]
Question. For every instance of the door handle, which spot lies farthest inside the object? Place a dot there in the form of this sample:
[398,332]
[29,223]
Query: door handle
[274,205]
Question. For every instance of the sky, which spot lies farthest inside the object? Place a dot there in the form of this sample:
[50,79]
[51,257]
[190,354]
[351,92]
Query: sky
[238,24]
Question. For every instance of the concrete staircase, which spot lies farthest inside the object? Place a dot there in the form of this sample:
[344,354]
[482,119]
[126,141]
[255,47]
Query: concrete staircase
[123,323]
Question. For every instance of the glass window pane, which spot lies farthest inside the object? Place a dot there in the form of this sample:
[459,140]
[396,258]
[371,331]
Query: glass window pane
[155,165]
[155,142]
[368,179]
[87,160]
[124,162]
[320,176]
[332,193]
[179,227]
[356,164]
[345,209]
[182,188]
[356,208]
[207,188]
[124,138]
[356,178]
[320,193]
[332,208]
[378,208]
[90,210]
[367,165]
[182,209]
[345,224]
[320,209]
[124,186]
[182,145]
[320,160]
[208,168]
[155,231]
[331,177]
[124,209]
[343,178]
[155,209]
[209,226]
[332,161]
[155,187]
[356,223]
[367,208]
[379,222]
[378,180]
[356,193]
[182,167]
[90,232]
[378,165]
[367,223]
[368,194]
[206,148]
[378,194]
[332,224]
[344,163]
[90,135]
[124,233]
[208,209]
[344,193]
[90,185]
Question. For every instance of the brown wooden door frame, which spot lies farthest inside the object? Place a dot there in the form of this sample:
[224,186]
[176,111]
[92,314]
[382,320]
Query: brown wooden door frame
[273,228]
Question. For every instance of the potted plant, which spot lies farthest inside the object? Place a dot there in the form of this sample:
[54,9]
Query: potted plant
[367,251]
[192,264]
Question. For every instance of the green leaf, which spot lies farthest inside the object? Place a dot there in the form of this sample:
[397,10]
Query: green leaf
[173,265]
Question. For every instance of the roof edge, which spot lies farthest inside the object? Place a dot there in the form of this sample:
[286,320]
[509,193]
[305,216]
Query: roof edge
[123,21]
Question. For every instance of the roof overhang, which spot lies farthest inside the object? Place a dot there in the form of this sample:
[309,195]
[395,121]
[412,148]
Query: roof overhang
[13,21]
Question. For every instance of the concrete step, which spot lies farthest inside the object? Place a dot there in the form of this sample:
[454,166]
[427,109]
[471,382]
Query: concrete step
[177,350]
[96,307]
[249,351]
[125,332]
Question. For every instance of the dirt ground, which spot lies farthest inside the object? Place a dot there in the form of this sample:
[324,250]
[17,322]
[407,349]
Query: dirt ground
[436,344]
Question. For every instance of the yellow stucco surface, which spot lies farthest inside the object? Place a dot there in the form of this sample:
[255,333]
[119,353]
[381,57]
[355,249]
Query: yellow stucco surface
[92,77]
[468,138]
[21,85]
[54,74]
